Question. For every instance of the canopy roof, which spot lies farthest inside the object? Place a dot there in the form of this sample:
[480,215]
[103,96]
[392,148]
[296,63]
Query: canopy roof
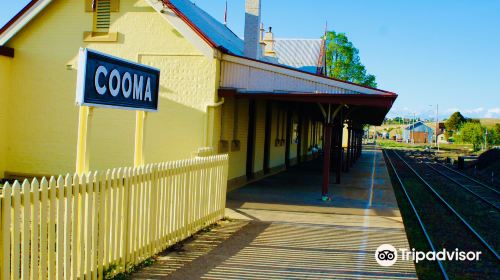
[363,108]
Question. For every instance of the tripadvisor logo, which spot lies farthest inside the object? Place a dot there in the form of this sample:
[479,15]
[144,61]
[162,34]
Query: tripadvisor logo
[387,255]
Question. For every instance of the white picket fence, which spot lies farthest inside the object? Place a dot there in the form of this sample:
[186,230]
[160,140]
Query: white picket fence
[83,227]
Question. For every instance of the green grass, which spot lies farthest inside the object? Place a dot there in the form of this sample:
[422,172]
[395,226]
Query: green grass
[384,143]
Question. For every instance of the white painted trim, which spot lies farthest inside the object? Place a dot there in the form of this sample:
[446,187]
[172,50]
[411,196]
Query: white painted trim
[183,28]
[298,74]
[23,20]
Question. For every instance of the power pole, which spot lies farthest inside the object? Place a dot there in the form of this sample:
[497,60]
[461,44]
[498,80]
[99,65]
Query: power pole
[485,139]
[437,125]
[413,128]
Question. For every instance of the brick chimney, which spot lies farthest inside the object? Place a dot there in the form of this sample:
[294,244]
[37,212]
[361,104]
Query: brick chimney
[252,30]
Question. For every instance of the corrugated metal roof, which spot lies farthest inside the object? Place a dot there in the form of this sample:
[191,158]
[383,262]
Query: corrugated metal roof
[299,53]
[215,30]
[420,126]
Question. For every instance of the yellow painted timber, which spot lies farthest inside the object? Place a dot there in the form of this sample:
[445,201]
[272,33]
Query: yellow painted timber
[82,145]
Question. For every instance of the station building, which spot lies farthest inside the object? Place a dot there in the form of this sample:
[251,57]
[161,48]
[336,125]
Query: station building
[264,101]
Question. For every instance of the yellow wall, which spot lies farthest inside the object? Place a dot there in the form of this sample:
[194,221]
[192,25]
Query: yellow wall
[5,65]
[42,114]
[237,159]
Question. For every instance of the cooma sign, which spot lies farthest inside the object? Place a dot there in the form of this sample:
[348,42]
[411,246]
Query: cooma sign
[107,81]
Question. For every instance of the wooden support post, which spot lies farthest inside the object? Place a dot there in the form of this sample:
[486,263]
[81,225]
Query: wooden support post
[326,159]
[82,145]
[300,130]
[334,146]
[351,148]
[355,146]
[348,151]
[360,142]
[267,136]
[140,123]
[251,139]
[288,137]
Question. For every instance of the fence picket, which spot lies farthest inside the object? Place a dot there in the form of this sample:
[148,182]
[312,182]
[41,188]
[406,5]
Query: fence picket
[44,207]
[82,247]
[126,219]
[35,224]
[75,226]
[67,191]
[60,228]
[16,232]
[52,228]
[119,217]
[95,221]
[26,234]
[6,229]
[107,225]
[88,225]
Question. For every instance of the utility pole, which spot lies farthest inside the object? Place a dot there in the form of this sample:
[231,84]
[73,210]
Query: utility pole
[413,128]
[485,139]
[437,125]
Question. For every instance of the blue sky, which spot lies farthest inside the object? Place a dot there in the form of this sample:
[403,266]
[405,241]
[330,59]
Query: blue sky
[443,52]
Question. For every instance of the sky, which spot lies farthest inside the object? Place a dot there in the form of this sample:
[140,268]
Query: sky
[430,53]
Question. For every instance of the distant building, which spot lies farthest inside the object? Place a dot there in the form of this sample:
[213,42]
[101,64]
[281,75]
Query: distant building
[418,132]
[442,128]
[442,139]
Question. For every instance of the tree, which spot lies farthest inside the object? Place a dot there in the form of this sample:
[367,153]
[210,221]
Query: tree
[473,133]
[453,123]
[343,62]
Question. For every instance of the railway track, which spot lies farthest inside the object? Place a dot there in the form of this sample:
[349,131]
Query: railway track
[480,190]
[444,224]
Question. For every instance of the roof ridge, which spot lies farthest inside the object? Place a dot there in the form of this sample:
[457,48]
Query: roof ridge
[297,39]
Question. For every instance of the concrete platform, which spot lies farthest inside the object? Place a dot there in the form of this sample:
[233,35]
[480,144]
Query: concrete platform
[282,230]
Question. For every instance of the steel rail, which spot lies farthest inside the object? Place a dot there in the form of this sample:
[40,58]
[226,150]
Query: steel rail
[470,178]
[421,224]
[441,199]
[462,186]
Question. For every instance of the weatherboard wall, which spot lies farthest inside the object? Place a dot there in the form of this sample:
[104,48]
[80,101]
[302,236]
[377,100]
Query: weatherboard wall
[256,76]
